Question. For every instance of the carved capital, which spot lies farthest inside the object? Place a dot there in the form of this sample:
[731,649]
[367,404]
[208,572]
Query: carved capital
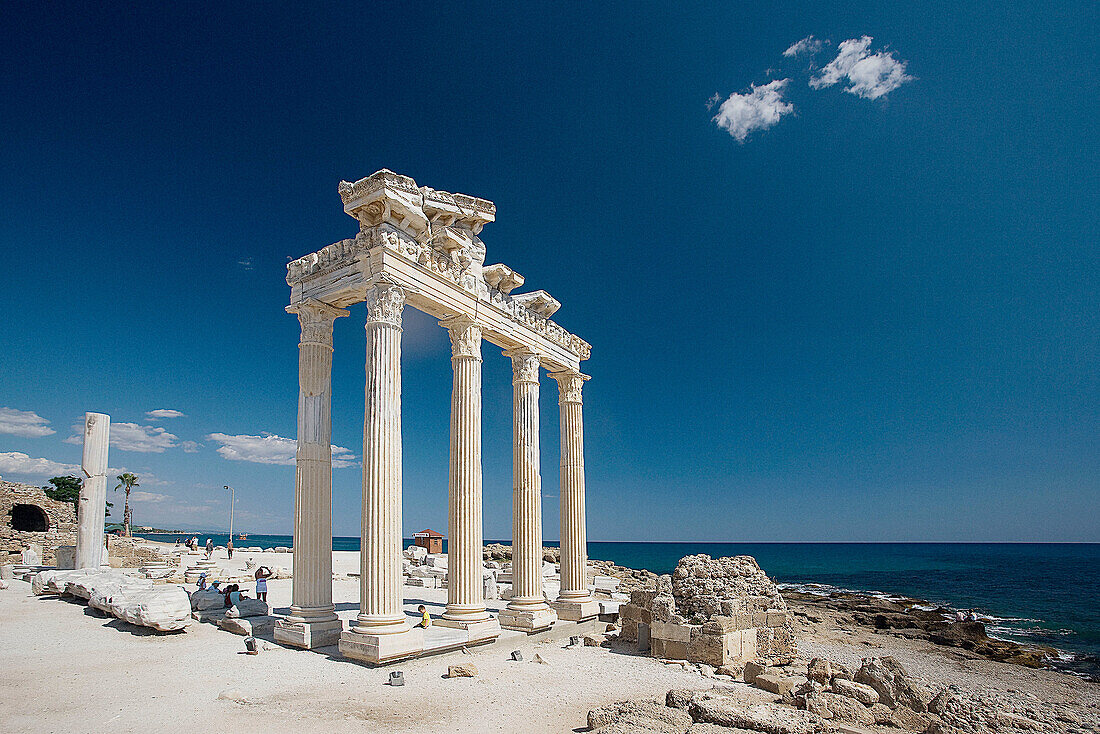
[569,386]
[465,337]
[385,303]
[316,318]
[525,365]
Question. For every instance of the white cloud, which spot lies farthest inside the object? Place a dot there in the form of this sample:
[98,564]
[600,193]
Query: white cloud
[163,413]
[868,75]
[808,45]
[132,437]
[17,463]
[271,449]
[24,423]
[190,447]
[139,496]
[758,109]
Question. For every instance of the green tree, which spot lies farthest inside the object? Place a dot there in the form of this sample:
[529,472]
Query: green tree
[65,489]
[126,481]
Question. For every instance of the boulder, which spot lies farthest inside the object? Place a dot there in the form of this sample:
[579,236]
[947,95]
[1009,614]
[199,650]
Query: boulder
[462,671]
[820,670]
[864,694]
[846,709]
[207,599]
[906,718]
[752,669]
[249,626]
[247,608]
[773,683]
[594,640]
[763,717]
[163,608]
[894,686]
[644,716]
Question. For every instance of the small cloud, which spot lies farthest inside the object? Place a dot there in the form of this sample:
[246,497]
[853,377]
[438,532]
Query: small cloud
[808,45]
[15,462]
[269,448]
[758,109]
[714,99]
[190,447]
[245,263]
[140,496]
[24,423]
[132,437]
[163,413]
[868,75]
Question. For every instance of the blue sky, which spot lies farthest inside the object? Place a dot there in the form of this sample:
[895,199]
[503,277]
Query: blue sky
[858,304]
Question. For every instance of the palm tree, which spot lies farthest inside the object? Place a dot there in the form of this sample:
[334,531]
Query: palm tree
[127,481]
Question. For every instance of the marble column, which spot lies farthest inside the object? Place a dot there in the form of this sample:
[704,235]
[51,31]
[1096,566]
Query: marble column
[574,602]
[92,503]
[382,632]
[312,621]
[527,611]
[465,588]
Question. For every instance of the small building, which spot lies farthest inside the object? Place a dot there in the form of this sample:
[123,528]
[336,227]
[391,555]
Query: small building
[29,518]
[429,539]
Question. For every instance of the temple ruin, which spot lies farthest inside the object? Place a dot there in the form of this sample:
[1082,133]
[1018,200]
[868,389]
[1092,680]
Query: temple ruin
[420,247]
[28,518]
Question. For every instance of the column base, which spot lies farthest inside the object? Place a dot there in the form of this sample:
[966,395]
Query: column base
[308,635]
[480,630]
[382,649]
[527,620]
[576,611]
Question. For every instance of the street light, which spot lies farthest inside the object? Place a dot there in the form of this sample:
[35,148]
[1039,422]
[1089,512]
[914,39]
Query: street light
[232,502]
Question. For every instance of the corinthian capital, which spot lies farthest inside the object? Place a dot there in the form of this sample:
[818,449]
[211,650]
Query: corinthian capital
[384,304]
[525,365]
[316,318]
[465,337]
[570,383]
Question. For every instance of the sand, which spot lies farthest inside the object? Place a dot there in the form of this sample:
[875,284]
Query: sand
[63,669]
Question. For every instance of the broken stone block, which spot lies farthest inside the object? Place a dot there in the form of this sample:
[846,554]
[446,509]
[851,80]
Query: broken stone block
[647,716]
[462,671]
[247,608]
[773,683]
[249,626]
[864,694]
[754,668]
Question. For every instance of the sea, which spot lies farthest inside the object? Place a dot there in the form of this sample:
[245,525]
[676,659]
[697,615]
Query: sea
[1031,593]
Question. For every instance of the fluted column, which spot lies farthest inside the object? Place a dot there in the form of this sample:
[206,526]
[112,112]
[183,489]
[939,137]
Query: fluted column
[465,592]
[527,609]
[380,599]
[574,598]
[92,501]
[312,621]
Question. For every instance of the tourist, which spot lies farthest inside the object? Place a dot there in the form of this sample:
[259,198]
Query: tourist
[202,581]
[425,618]
[209,547]
[960,615]
[229,548]
[262,574]
[232,595]
[973,616]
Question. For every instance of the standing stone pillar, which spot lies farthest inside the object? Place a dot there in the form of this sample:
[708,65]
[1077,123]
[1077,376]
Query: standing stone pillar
[527,611]
[574,602]
[465,591]
[382,632]
[312,621]
[92,504]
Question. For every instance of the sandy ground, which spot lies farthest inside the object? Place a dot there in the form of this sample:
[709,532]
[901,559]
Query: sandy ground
[63,669]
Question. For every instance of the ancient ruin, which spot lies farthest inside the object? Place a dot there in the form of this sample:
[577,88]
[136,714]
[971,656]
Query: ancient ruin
[421,247]
[93,491]
[29,520]
[716,611]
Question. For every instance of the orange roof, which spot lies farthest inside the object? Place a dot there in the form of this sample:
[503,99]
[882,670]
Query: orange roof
[428,534]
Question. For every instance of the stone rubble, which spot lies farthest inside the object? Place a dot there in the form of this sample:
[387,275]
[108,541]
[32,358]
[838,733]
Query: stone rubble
[137,601]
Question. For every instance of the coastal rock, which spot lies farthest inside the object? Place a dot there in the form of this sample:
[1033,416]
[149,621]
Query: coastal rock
[820,670]
[639,715]
[906,718]
[846,709]
[762,717]
[865,694]
[892,683]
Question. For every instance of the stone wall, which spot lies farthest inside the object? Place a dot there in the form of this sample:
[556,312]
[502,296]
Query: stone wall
[715,611]
[61,518]
[134,553]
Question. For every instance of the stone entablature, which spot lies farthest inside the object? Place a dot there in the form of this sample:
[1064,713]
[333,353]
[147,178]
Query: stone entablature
[60,516]
[435,235]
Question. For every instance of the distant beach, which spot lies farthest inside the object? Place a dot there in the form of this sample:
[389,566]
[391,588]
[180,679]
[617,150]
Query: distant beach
[1031,593]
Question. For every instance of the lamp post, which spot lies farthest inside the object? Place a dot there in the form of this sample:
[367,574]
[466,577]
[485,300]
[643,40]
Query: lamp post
[232,502]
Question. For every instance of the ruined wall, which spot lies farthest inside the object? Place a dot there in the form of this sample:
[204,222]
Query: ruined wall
[60,518]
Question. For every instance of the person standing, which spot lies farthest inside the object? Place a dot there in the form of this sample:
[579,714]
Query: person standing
[209,547]
[262,574]
[229,548]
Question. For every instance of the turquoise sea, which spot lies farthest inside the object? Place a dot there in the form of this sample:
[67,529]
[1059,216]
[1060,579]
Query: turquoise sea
[1040,593]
